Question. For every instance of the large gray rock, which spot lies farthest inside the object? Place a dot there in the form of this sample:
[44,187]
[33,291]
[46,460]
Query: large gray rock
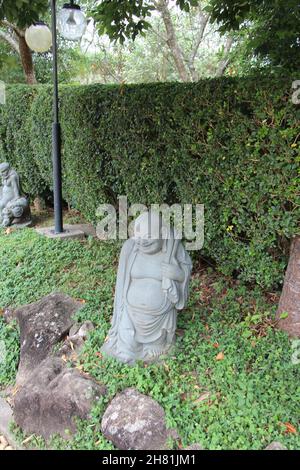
[53,397]
[275,446]
[43,325]
[135,421]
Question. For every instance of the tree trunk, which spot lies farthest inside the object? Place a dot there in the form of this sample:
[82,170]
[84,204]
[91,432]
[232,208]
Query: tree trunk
[26,59]
[225,61]
[290,297]
[177,54]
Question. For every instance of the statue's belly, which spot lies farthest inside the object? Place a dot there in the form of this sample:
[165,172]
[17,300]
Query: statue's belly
[145,294]
[7,193]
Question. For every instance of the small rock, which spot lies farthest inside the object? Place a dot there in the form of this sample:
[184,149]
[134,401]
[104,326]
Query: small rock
[77,336]
[85,329]
[74,329]
[3,441]
[133,421]
[275,446]
[194,447]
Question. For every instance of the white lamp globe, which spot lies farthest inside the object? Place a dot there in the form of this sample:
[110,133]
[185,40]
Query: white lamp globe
[71,22]
[38,37]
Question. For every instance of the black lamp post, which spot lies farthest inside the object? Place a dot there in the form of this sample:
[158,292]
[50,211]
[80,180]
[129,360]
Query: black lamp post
[56,134]
[71,23]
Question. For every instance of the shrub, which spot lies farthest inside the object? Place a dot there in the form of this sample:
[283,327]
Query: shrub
[231,144]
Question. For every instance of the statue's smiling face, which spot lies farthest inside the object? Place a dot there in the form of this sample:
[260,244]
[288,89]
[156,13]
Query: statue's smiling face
[147,234]
[149,246]
[4,170]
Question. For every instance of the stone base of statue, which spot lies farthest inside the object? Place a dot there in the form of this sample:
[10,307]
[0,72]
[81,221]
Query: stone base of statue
[152,286]
[23,220]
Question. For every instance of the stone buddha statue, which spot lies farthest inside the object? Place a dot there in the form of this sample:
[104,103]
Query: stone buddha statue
[14,208]
[152,285]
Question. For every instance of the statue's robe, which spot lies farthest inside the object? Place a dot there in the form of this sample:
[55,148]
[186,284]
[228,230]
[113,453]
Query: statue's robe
[134,332]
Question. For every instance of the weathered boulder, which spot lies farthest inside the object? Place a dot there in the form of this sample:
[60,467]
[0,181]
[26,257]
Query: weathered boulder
[52,397]
[135,421]
[43,324]
[275,446]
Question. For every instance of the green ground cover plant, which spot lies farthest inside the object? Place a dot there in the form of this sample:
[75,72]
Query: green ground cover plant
[230,383]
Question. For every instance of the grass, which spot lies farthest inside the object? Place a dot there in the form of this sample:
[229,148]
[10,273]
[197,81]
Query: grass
[230,383]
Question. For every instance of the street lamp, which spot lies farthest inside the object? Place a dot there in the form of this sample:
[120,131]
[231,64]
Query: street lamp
[38,37]
[72,24]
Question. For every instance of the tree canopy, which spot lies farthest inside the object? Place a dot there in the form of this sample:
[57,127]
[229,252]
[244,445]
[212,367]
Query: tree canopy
[126,19]
[22,12]
[272,27]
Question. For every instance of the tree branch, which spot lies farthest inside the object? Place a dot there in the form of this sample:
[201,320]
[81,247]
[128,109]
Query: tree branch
[225,61]
[202,25]
[13,43]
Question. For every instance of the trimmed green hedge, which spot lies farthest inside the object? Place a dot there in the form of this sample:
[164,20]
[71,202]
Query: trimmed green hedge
[232,144]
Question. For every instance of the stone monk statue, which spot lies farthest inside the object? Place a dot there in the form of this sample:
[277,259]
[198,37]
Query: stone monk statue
[152,285]
[14,208]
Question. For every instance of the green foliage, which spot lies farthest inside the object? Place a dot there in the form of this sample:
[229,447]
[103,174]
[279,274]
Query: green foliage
[272,27]
[10,66]
[127,19]
[240,402]
[231,144]
[9,352]
[22,12]
[15,138]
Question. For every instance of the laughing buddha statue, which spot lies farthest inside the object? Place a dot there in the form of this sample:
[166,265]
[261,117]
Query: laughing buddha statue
[152,285]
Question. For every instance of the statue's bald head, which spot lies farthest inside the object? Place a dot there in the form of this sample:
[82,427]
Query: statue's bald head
[4,168]
[148,225]
[148,231]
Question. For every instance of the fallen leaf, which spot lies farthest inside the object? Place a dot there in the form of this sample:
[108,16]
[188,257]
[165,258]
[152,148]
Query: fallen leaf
[8,231]
[98,354]
[216,345]
[28,439]
[290,429]
[220,356]
[203,396]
